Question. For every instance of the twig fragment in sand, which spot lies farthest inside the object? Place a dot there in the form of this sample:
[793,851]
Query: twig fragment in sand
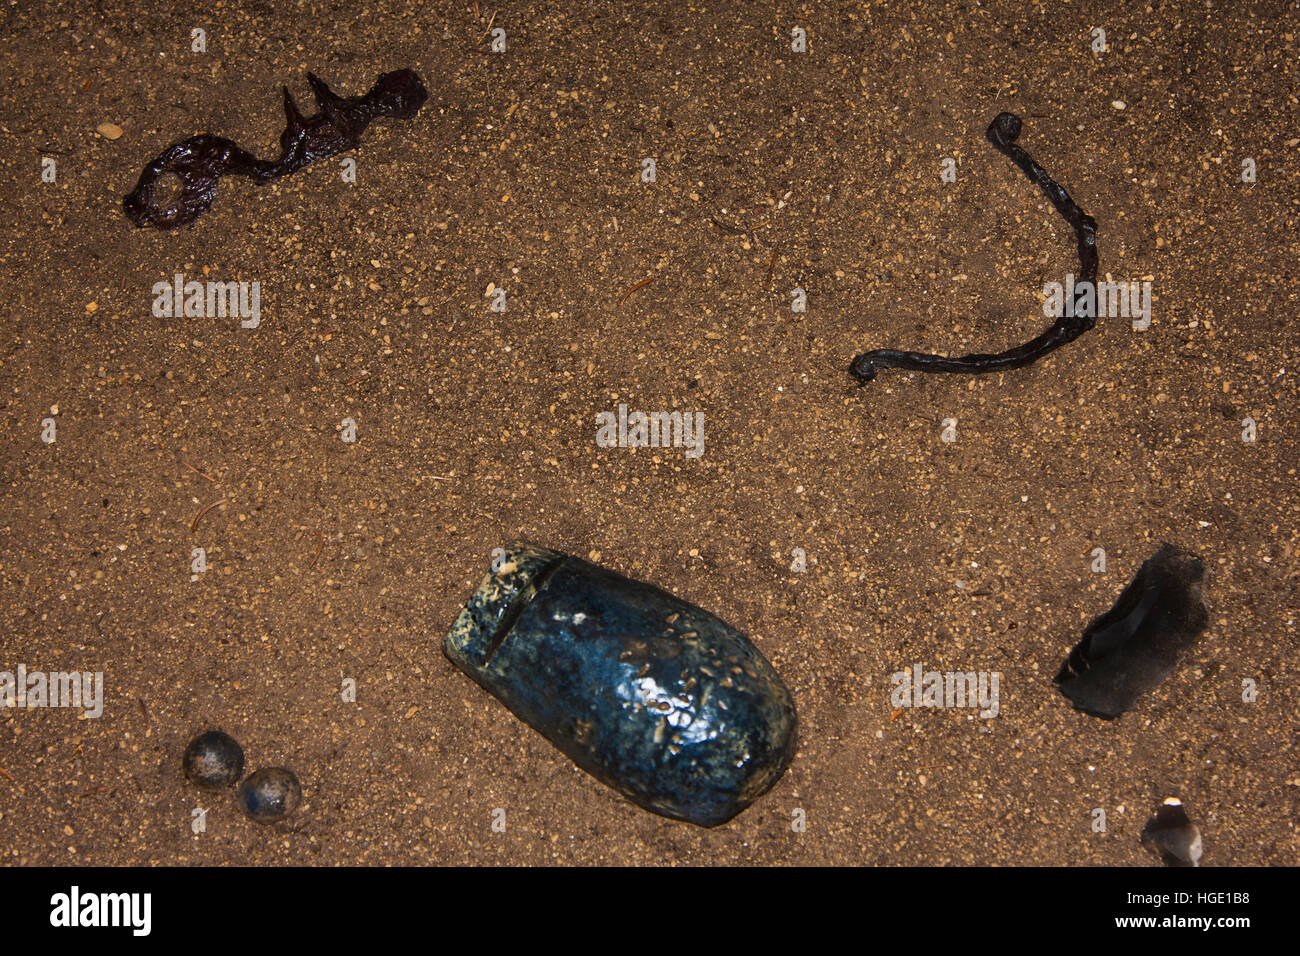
[199,473]
[640,285]
[320,546]
[726,227]
[194,525]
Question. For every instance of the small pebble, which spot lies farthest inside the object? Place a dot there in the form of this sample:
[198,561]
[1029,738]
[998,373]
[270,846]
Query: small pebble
[213,760]
[269,794]
[1173,836]
[109,130]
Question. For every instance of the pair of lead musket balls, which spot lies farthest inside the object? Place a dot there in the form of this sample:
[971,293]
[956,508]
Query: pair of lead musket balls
[214,760]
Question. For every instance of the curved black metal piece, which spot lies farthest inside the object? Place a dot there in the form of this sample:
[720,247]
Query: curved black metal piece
[1002,133]
[201,160]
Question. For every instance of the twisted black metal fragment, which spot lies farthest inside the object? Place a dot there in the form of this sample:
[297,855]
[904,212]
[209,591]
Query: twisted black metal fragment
[201,160]
[1002,133]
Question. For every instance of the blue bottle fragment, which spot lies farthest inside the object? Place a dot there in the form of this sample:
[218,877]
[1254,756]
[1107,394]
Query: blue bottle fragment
[651,695]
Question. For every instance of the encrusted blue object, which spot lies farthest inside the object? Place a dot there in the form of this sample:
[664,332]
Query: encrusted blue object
[269,794]
[651,695]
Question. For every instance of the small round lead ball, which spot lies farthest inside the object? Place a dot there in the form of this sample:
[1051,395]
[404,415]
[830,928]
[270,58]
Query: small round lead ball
[270,794]
[213,760]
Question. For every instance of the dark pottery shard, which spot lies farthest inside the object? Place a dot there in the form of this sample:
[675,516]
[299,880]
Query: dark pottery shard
[1171,834]
[1135,645]
[201,160]
[1003,133]
[651,695]
[269,794]
[213,760]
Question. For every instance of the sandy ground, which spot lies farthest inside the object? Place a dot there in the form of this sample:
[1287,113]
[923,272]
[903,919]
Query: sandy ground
[820,170]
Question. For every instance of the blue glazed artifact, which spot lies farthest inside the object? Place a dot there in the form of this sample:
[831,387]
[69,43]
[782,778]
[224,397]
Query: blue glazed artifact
[651,695]
[269,794]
